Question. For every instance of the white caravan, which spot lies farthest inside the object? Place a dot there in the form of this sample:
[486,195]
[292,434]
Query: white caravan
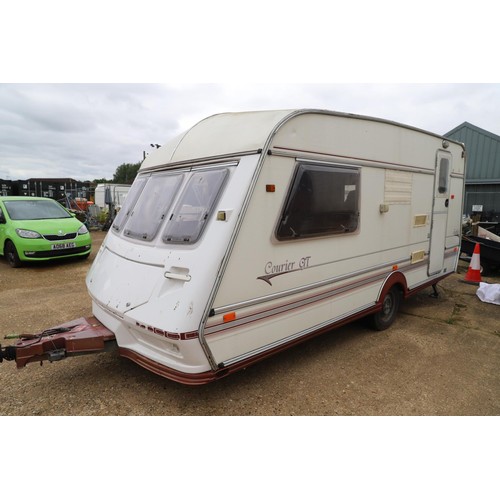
[117,195]
[254,231]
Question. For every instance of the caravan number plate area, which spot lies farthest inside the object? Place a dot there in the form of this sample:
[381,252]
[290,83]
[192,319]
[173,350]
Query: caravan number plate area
[62,246]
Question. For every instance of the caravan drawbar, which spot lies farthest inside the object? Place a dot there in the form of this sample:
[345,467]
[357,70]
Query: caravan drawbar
[254,231]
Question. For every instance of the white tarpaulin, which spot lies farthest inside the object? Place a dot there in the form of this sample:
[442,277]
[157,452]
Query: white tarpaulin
[489,293]
[484,233]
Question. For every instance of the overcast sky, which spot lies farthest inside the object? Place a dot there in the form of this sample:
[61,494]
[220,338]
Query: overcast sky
[85,131]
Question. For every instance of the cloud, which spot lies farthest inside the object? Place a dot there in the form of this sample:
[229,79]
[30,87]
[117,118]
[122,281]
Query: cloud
[86,131]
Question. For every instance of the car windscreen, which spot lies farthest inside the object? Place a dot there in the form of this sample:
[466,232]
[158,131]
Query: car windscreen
[35,210]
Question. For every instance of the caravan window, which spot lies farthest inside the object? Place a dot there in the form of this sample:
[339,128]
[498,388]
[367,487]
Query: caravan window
[194,206]
[130,200]
[322,200]
[152,206]
[444,169]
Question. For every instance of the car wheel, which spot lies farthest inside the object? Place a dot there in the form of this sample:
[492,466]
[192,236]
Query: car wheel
[11,255]
[390,305]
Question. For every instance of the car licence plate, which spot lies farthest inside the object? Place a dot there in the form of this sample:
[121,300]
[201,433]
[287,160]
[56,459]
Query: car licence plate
[62,246]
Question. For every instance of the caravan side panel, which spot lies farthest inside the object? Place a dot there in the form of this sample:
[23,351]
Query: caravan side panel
[276,291]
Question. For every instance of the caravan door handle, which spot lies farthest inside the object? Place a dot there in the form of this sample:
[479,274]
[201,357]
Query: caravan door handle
[447,202]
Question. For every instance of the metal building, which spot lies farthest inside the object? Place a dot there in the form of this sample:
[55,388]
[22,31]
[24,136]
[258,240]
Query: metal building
[482,184]
[56,189]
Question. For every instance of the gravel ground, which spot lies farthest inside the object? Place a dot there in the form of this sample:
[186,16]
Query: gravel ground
[441,357]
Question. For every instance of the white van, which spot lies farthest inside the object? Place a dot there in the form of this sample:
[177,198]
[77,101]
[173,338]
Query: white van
[254,231]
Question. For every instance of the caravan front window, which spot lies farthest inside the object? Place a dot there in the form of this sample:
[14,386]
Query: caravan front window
[322,200]
[130,200]
[151,208]
[194,206]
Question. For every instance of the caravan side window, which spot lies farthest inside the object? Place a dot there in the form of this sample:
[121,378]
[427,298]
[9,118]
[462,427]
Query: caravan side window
[322,200]
[194,206]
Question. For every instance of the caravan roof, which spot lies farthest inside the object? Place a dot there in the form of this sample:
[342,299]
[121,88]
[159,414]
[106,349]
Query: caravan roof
[242,132]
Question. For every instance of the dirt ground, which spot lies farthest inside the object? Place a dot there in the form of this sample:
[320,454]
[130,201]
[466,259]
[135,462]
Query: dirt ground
[441,357]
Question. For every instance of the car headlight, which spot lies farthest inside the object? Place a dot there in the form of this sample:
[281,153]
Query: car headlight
[83,229]
[26,233]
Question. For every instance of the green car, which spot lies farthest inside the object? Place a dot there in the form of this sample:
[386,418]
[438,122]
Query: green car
[36,229]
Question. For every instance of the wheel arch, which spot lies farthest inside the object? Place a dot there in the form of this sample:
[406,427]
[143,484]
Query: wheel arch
[396,279]
[6,241]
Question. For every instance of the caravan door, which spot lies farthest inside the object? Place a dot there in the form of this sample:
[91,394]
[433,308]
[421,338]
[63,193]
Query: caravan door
[439,212]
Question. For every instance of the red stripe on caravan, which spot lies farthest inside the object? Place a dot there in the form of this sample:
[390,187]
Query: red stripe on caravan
[265,314]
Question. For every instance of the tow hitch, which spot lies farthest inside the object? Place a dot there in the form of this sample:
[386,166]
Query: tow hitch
[75,338]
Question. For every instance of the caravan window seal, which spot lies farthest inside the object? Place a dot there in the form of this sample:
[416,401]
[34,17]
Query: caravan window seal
[190,165]
[323,200]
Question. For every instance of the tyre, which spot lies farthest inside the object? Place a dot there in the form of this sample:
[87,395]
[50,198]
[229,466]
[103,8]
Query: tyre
[390,305]
[487,268]
[11,255]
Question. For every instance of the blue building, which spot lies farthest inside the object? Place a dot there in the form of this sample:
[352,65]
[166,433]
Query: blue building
[482,181]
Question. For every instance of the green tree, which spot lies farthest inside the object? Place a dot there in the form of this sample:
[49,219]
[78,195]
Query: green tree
[125,173]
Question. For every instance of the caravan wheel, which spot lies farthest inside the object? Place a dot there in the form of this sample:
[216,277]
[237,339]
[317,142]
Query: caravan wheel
[390,305]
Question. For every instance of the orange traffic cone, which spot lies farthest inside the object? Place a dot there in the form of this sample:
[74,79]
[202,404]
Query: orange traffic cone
[473,274]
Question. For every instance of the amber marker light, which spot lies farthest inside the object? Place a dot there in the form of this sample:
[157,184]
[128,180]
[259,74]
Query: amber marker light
[229,317]
[270,188]
[395,268]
